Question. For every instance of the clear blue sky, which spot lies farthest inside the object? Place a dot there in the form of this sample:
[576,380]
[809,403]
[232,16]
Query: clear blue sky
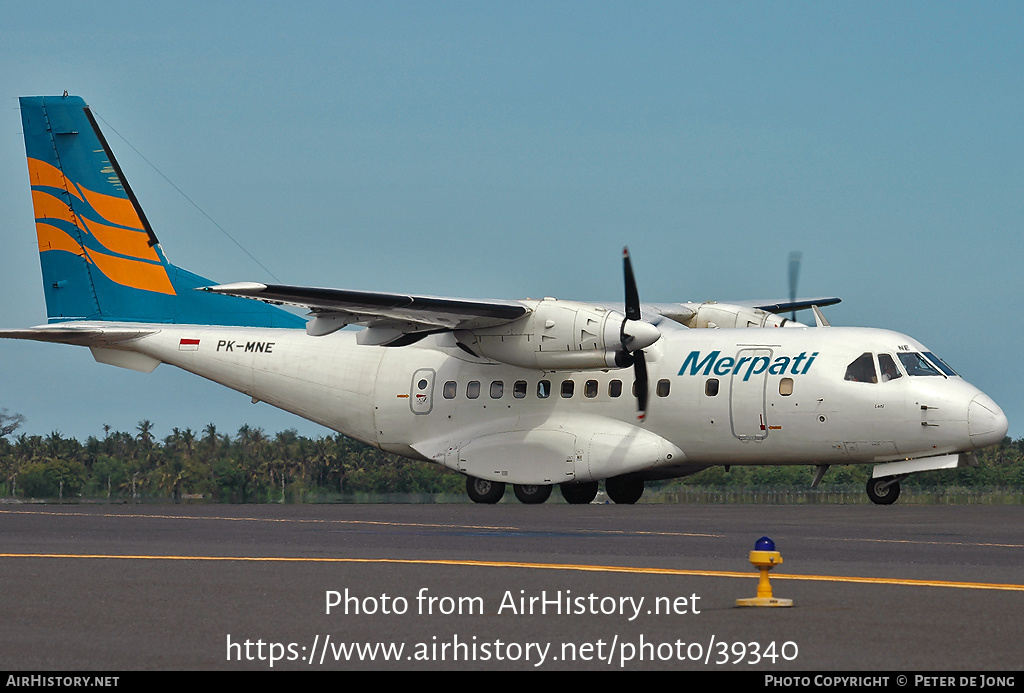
[506,150]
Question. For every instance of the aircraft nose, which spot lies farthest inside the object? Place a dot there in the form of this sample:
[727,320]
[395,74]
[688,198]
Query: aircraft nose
[986,422]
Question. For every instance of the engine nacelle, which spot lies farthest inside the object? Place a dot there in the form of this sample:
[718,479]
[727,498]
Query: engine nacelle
[560,335]
[714,314]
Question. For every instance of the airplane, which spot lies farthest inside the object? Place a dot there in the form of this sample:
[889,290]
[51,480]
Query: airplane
[534,393]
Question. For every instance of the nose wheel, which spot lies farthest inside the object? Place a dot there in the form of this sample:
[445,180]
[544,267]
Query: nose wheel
[884,490]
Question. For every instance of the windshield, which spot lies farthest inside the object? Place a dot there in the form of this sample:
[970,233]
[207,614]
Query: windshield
[915,364]
[940,364]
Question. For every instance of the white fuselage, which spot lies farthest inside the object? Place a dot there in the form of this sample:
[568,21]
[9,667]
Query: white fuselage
[720,396]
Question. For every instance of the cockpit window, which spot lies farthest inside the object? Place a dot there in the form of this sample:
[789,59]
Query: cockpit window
[916,364]
[888,367]
[940,364]
[862,370]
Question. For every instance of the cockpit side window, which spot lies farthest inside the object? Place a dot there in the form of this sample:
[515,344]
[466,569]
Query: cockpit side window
[940,364]
[916,364]
[887,365]
[862,370]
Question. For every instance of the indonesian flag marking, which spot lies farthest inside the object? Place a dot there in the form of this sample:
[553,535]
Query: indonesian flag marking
[188,345]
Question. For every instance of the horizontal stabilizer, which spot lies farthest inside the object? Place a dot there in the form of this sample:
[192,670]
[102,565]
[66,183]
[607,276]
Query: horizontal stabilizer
[81,336]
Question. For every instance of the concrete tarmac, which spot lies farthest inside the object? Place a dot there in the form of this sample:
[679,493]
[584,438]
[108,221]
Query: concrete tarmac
[598,587]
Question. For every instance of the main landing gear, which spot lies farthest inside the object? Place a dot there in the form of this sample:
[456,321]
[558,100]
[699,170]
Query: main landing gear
[579,494]
[623,490]
[484,491]
[884,490]
[531,495]
[490,492]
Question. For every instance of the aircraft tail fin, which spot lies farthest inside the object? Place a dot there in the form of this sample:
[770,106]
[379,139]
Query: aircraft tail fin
[99,255]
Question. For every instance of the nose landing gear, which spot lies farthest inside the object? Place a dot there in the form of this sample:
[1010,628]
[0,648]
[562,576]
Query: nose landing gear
[884,490]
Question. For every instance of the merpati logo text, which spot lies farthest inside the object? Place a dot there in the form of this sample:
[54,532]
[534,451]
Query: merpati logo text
[715,363]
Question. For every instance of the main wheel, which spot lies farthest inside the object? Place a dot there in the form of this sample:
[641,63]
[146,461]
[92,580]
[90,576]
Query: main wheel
[531,494]
[884,490]
[579,494]
[624,490]
[484,491]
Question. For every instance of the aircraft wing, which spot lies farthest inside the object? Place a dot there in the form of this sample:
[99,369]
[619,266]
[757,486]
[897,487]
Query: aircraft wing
[396,318]
[398,313]
[775,306]
[684,312]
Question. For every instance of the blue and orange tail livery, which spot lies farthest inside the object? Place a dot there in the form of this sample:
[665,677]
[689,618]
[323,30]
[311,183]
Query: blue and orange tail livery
[99,256]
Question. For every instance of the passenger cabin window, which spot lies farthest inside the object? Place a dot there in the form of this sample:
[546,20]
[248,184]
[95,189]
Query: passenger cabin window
[663,388]
[862,370]
[568,387]
[449,389]
[473,389]
[615,388]
[711,387]
[519,389]
[887,365]
[916,364]
[544,389]
[590,389]
[497,389]
[786,387]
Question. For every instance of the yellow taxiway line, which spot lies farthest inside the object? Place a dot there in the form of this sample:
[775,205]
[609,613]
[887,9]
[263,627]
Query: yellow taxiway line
[543,566]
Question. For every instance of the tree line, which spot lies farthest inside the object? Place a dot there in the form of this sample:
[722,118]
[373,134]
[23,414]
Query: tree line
[251,466]
[246,467]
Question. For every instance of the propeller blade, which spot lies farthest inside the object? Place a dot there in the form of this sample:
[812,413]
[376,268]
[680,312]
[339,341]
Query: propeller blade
[640,373]
[794,275]
[632,295]
[641,334]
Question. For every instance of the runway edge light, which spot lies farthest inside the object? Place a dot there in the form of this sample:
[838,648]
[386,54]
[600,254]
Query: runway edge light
[764,557]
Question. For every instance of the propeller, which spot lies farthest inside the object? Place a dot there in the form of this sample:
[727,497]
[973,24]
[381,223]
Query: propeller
[794,275]
[635,334]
